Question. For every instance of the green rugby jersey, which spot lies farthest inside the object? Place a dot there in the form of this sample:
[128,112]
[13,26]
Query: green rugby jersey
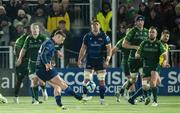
[135,36]
[19,44]
[32,45]
[150,53]
[125,52]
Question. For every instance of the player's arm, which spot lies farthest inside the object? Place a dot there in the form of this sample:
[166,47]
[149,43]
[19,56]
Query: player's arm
[43,55]
[139,51]
[127,41]
[116,47]
[109,52]
[21,55]
[82,54]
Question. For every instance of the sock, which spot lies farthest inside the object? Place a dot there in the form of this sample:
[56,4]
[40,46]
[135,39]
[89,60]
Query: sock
[36,93]
[102,90]
[69,91]
[145,92]
[43,87]
[154,92]
[129,84]
[32,94]
[85,91]
[138,93]
[58,100]
[131,93]
[17,87]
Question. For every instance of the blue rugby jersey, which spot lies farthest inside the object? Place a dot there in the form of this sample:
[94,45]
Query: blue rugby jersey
[46,52]
[96,46]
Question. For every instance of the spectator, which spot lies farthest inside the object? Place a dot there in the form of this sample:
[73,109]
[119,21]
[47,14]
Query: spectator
[22,17]
[39,16]
[105,18]
[12,8]
[17,32]
[122,14]
[143,10]
[56,15]
[4,27]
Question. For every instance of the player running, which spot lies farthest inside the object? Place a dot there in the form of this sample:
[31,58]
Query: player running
[124,63]
[132,41]
[150,51]
[21,70]
[31,46]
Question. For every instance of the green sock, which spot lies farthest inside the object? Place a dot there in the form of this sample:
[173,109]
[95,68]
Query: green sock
[36,93]
[43,87]
[154,92]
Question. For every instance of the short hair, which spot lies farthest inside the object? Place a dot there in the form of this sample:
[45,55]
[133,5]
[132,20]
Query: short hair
[60,32]
[153,27]
[165,31]
[94,20]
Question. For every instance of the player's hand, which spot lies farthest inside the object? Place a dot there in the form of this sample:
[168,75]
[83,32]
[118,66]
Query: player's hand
[48,66]
[106,64]
[165,64]
[53,63]
[80,64]
[18,62]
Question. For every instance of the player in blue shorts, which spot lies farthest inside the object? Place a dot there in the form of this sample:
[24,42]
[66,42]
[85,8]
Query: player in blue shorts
[96,47]
[46,71]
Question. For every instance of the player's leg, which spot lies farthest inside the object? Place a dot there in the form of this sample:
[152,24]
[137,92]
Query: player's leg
[3,99]
[34,89]
[153,84]
[88,73]
[21,73]
[57,80]
[17,88]
[44,91]
[102,87]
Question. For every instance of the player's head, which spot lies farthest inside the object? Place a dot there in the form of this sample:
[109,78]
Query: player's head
[139,21]
[35,29]
[59,37]
[95,25]
[152,33]
[165,35]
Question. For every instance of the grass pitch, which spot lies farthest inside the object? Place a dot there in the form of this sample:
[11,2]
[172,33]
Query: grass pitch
[167,105]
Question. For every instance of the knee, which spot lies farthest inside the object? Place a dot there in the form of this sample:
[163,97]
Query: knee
[101,83]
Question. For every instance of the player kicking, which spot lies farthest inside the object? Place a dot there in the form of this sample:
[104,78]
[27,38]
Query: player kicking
[97,48]
[150,51]
[45,68]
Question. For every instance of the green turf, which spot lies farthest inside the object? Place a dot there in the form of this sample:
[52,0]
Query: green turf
[167,105]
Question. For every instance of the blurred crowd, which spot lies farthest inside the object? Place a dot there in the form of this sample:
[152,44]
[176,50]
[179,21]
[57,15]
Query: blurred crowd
[163,14]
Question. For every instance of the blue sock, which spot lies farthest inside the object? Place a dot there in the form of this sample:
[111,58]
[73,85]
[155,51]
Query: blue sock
[85,91]
[137,94]
[69,91]
[58,100]
[102,90]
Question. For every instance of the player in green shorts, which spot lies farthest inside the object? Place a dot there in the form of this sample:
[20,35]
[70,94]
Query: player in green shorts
[32,45]
[150,51]
[22,70]
[132,41]
[124,63]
